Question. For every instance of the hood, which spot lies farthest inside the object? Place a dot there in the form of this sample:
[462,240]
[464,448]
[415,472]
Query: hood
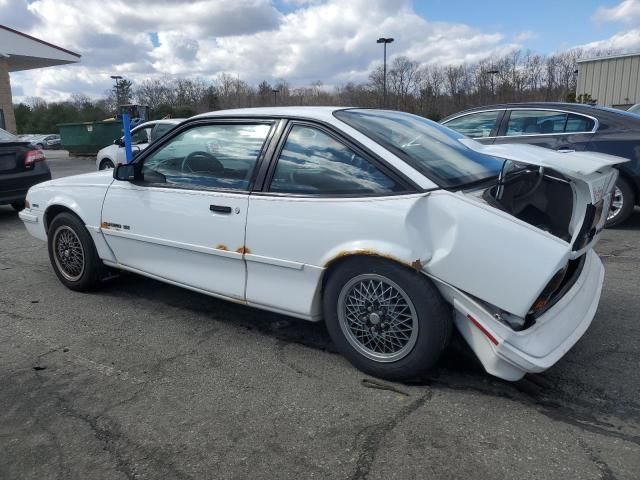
[572,164]
[93,179]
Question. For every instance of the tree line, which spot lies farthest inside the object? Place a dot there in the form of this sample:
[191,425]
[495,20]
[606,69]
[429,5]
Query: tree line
[432,91]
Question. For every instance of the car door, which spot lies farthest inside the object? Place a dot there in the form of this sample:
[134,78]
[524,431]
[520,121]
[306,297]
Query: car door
[554,129]
[184,219]
[481,126]
[320,192]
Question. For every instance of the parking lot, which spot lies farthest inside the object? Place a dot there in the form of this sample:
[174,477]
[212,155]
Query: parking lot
[145,380]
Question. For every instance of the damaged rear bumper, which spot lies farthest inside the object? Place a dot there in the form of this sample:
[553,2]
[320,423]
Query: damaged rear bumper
[510,354]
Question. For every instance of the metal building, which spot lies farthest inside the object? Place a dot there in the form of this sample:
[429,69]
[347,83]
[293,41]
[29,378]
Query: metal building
[612,81]
[19,51]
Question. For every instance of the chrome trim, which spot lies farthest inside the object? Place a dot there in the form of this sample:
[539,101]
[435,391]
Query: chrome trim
[593,130]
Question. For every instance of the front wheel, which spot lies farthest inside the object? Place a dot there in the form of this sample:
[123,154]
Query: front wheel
[622,203]
[72,253]
[388,320]
[106,165]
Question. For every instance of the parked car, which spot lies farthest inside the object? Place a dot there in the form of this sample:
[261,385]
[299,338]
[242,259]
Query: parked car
[43,142]
[141,137]
[389,226]
[21,166]
[564,127]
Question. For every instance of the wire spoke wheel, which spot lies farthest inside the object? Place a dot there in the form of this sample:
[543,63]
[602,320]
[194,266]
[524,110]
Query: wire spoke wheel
[68,253]
[617,202]
[377,318]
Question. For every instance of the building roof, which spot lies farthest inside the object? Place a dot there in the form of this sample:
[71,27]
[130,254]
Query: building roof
[608,57]
[24,52]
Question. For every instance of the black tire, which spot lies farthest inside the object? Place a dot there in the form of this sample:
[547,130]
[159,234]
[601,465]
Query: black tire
[106,163]
[40,146]
[89,275]
[433,317]
[628,202]
[18,206]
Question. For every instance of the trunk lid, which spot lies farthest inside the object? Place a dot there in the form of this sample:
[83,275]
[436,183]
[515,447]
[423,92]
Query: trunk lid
[592,175]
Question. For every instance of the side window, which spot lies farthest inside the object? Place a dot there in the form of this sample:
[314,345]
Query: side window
[312,162]
[139,136]
[159,130]
[535,122]
[209,156]
[475,125]
[578,123]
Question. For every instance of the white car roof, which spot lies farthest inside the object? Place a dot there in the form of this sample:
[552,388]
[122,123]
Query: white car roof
[317,113]
[171,121]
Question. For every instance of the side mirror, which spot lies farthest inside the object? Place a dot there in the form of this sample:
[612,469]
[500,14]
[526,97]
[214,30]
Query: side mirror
[119,142]
[125,172]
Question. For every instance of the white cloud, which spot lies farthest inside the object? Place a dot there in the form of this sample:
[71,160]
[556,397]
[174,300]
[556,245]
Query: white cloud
[627,11]
[628,41]
[333,41]
[524,36]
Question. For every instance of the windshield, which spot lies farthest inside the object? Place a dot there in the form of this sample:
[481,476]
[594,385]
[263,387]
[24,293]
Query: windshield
[7,137]
[432,149]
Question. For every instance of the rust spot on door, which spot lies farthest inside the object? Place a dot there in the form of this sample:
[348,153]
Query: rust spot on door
[243,250]
[104,225]
[221,246]
[417,265]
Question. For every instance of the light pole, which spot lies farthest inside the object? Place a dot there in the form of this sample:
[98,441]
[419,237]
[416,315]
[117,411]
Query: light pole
[275,96]
[117,78]
[493,73]
[384,41]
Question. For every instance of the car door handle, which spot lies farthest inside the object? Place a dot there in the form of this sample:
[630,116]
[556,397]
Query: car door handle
[565,150]
[220,208]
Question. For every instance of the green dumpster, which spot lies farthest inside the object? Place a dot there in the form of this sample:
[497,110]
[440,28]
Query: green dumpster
[89,137]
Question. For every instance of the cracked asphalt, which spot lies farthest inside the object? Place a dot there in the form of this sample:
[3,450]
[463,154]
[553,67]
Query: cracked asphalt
[142,380]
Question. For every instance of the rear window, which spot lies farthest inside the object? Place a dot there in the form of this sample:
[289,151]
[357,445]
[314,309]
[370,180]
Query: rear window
[430,148]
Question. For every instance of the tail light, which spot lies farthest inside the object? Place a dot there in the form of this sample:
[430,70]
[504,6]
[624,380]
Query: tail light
[32,157]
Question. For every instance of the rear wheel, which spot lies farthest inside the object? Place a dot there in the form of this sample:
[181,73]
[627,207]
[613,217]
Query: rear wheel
[106,164]
[72,253]
[18,206]
[622,203]
[388,320]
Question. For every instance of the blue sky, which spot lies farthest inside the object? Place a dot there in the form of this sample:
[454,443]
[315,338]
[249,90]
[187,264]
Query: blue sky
[556,24]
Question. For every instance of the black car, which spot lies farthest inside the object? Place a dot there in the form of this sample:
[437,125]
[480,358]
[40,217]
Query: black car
[564,127]
[21,166]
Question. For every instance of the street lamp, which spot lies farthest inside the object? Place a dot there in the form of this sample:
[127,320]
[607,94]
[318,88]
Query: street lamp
[275,96]
[384,41]
[116,78]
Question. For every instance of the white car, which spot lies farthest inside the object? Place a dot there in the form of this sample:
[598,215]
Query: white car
[141,137]
[390,227]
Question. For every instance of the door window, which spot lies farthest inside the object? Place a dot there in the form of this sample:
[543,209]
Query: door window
[578,123]
[312,162]
[160,129]
[140,136]
[208,156]
[535,122]
[475,125]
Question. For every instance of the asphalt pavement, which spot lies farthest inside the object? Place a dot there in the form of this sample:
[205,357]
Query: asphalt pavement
[143,380]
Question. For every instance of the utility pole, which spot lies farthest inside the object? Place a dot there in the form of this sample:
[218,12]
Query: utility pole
[384,41]
[275,96]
